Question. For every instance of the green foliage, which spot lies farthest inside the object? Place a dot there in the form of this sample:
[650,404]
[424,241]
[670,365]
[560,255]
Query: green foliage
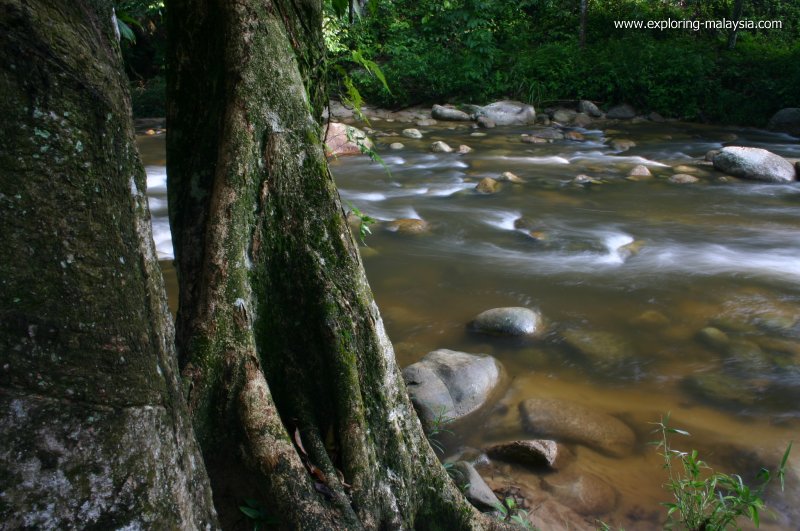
[258,514]
[148,98]
[507,511]
[437,428]
[476,51]
[705,499]
[364,222]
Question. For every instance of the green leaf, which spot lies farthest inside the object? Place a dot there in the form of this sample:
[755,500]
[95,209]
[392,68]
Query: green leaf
[126,32]
[254,514]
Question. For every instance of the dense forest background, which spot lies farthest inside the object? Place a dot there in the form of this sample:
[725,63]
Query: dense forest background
[434,51]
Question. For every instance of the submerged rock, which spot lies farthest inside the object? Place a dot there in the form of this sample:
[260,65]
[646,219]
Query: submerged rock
[598,347]
[754,163]
[547,134]
[574,136]
[713,337]
[447,384]
[566,421]
[720,389]
[582,120]
[586,493]
[510,321]
[426,122]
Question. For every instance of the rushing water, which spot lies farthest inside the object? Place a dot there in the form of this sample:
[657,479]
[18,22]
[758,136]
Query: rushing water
[636,269]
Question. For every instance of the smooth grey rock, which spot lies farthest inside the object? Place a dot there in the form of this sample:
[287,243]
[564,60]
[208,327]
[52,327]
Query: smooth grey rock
[565,421]
[585,493]
[640,171]
[754,163]
[564,116]
[426,122]
[586,106]
[621,112]
[485,122]
[451,114]
[441,147]
[710,154]
[510,321]
[786,120]
[477,492]
[508,113]
[449,384]
[582,120]
[463,149]
[411,133]
[396,145]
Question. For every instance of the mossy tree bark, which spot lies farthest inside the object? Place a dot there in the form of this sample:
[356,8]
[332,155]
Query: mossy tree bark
[94,430]
[291,381]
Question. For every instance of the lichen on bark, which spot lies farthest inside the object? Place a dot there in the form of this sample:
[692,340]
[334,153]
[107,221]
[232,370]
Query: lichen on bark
[94,430]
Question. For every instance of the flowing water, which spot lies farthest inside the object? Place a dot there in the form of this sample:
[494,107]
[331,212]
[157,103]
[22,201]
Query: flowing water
[626,274]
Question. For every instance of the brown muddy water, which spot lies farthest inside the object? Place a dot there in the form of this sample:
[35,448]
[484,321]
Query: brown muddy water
[626,274]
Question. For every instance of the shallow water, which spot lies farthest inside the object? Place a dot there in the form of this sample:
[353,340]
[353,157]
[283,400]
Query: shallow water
[723,254]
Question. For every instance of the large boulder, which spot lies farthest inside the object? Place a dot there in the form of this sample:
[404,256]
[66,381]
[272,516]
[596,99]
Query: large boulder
[621,112]
[786,120]
[452,114]
[511,321]
[566,421]
[589,108]
[341,139]
[754,163]
[447,384]
[508,113]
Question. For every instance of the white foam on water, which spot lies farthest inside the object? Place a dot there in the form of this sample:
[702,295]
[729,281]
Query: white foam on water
[361,196]
[501,219]
[449,189]
[614,242]
[162,237]
[598,156]
[553,159]
[156,178]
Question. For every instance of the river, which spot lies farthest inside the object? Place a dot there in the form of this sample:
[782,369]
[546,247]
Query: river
[626,274]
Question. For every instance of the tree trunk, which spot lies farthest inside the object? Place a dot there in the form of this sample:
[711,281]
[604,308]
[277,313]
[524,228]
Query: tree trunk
[94,430]
[293,387]
[737,14]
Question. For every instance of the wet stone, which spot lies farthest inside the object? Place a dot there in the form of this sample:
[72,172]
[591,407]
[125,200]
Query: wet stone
[713,337]
[535,453]
[447,384]
[411,133]
[487,185]
[511,321]
[598,347]
[683,178]
[441,147]
[565,421]
[477,491]
[507,176]
[408,226]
